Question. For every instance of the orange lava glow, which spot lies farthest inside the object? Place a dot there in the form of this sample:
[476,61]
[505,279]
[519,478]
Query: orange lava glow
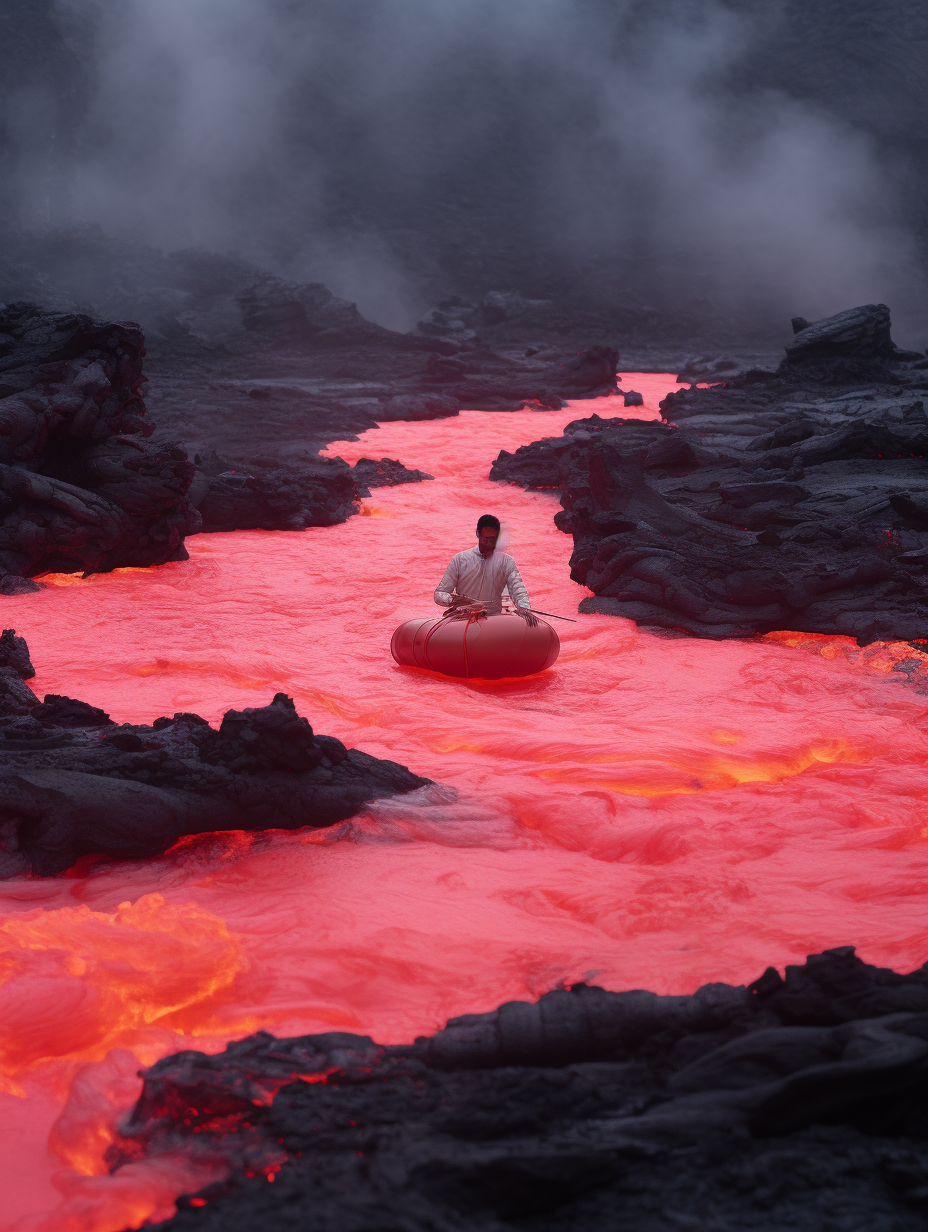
[91,968]
[651,812]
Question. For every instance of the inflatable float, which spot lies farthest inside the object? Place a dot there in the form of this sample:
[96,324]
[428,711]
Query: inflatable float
[476,645]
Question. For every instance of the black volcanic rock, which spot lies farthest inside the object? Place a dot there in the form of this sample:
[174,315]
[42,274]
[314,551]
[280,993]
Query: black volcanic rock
[303,313]
[852,345]
[16,698]
[708,368]
[415,407]
[386,473]
[333,389]
[74,783]
[81,486]
[492,384]
[58,711]
[796,1102]
[14,584]
[863,333]
[271,737]
[267,495]
[770,502]
[475,378]
[14,653]
[242,361]
[590,374]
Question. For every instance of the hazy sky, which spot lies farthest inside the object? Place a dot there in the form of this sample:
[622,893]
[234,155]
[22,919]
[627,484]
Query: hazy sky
[380,145]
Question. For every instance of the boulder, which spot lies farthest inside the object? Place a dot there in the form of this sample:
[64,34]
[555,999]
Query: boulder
[303,313]
[852,345]
[388,472]
[14,653]
[263,494]
[863,332]
[590,374]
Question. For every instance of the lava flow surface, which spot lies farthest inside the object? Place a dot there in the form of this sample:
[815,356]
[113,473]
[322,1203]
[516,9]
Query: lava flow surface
[652,812]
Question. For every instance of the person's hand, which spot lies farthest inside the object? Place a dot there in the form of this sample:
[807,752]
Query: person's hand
[462,606]
[529,617]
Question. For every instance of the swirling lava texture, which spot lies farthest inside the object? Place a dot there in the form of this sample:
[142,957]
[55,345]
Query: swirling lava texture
[652,812]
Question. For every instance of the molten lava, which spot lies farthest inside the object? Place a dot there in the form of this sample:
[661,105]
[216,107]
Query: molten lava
[652,812]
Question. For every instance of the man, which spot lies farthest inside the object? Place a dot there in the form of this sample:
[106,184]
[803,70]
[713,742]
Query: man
[478,576]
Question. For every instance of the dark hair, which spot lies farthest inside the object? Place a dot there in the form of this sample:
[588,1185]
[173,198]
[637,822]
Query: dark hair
[488,520]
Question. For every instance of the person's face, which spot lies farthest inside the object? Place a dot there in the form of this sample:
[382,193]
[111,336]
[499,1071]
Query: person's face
[486,540]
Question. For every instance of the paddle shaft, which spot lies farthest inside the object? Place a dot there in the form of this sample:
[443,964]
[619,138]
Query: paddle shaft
[551,614]
[526,609]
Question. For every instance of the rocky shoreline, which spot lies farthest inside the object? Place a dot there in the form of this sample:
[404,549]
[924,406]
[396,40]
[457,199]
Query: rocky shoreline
[88,485]
[795,1102]
[795,499]
[73,783]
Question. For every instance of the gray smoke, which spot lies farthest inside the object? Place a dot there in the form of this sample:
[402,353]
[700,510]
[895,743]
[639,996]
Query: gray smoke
[612,148]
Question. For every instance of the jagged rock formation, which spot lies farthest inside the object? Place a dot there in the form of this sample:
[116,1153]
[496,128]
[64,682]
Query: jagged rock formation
[237,350]
[308,393]
[263,494]
[776,501]
[15,668]
[480,380]
[73,782]
[14,655]
[312,370]
[81,485]
[796,1102]
[386,473]
[851,346]
[304,313]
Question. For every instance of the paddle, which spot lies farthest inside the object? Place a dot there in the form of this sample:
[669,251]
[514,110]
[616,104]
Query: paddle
[476,602]
[551,614]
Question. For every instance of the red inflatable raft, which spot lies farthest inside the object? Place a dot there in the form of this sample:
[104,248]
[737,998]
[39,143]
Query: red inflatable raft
[486,646]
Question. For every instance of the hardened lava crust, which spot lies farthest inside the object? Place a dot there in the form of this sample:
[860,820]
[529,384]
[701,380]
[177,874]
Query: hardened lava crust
[788,499]
[794,1102]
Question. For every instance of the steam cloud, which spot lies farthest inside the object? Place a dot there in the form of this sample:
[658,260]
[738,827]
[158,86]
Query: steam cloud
[394,149]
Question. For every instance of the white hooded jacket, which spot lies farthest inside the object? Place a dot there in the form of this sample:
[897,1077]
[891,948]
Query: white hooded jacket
[484,578]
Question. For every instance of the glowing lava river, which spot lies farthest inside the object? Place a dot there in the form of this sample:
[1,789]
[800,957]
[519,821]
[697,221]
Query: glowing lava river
[652,812]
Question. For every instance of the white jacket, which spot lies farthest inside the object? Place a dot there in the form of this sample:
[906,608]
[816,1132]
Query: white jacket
[483,578]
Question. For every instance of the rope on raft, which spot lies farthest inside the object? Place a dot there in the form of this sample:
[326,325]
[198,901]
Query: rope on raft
[457,613]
